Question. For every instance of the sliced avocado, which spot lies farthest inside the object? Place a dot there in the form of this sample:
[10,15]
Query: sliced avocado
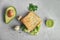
[36,30]
[33,32]
[8,16]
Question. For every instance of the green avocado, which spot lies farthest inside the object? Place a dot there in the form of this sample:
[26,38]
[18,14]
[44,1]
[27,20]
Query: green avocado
[49,23]
[33,32]
[8,16]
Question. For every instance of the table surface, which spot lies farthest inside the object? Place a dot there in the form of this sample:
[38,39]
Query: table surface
[47,9]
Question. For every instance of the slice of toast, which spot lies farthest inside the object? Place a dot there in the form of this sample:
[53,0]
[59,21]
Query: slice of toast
[31,21]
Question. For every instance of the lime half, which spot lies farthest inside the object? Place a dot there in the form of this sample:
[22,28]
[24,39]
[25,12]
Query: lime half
[49,23]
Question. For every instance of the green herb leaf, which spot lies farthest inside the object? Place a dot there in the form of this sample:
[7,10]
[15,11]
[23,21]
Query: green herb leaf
[32,7]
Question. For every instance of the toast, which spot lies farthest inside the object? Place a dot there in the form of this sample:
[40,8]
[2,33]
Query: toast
[31,21]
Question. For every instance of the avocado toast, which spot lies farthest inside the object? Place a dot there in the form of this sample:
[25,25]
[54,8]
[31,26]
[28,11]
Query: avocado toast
[31,21]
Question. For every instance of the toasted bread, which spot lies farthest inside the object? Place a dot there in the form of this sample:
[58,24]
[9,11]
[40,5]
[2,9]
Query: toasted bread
[31,21]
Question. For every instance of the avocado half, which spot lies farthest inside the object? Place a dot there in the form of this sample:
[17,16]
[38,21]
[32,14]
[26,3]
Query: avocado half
[8,19]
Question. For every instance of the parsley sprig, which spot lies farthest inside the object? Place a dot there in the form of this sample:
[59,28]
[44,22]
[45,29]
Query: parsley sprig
[32,7]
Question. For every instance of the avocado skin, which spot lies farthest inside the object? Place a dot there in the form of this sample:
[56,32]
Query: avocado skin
[13,17]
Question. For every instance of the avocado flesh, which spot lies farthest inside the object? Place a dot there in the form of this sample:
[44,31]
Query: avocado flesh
[33,32]
[49,23]
[8,19]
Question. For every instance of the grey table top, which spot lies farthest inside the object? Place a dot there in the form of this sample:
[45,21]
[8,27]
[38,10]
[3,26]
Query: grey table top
[47,8]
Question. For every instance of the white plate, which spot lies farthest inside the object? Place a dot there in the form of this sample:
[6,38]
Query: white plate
[47,8]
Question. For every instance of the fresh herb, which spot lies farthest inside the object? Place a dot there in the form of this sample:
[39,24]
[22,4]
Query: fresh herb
[32,7]
[23,27]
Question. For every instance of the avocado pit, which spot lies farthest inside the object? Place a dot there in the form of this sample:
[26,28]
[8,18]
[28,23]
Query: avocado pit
[10,13]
